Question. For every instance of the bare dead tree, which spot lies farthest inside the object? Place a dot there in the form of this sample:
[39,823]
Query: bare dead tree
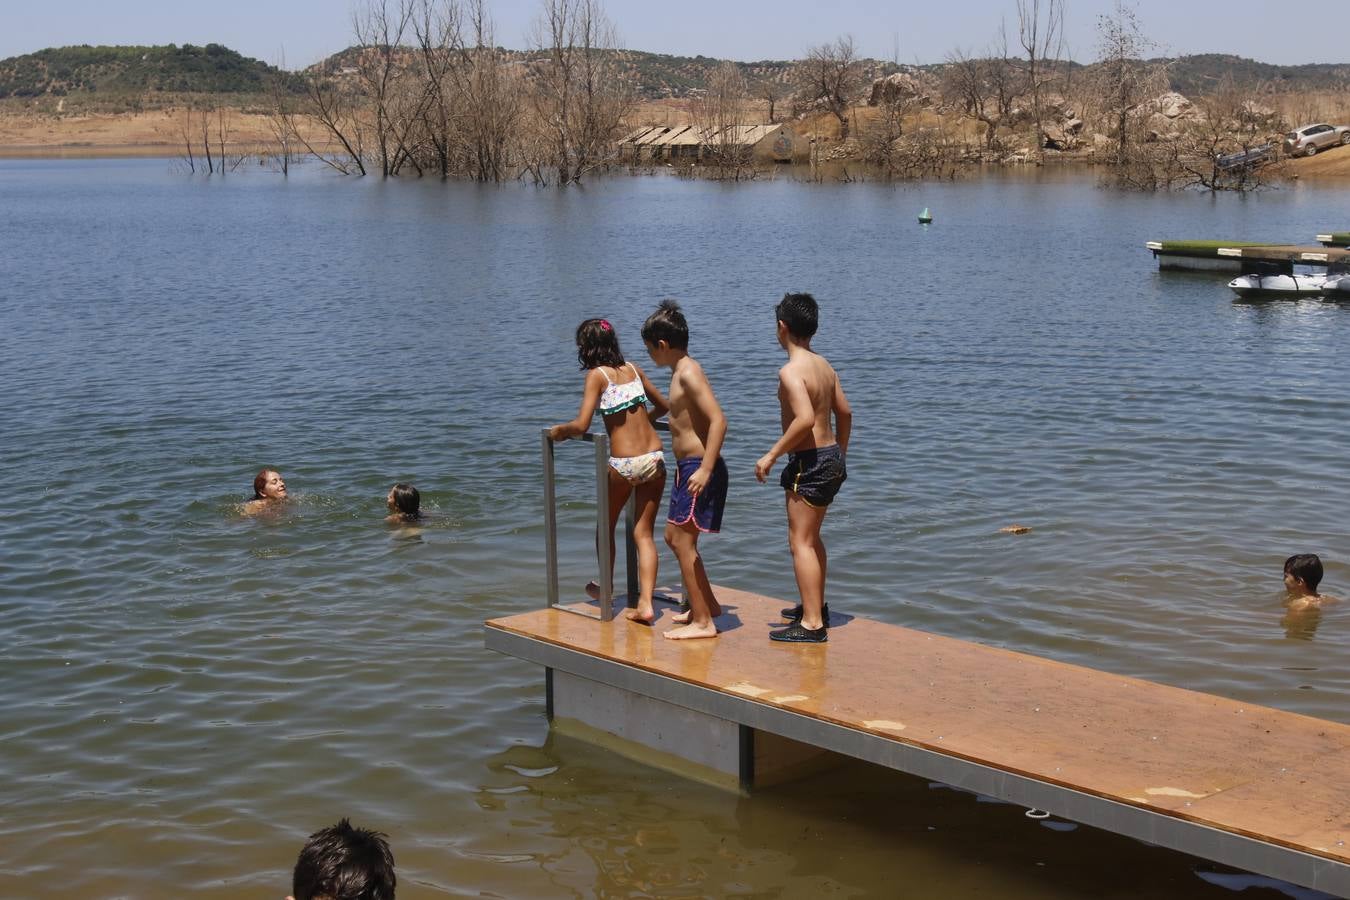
[1226,146]
[437,29]
[185,135]
[1122,80]
[985,89]
[771,91]
[579,95]
[282,107]
[489,88]
[720,114]
[392,103]
[832,74]
[332,102]
[1040,30]
[204,128]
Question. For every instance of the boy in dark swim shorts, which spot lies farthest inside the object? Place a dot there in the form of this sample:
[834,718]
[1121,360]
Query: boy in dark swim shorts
[808,392]
[697,428]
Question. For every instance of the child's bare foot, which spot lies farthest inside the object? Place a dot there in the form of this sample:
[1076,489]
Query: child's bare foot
[689,632]
[643,615]
[682,617]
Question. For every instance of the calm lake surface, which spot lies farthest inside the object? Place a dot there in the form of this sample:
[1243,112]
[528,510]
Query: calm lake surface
[186,693]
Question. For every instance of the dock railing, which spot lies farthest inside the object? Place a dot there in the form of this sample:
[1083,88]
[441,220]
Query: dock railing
[600,440]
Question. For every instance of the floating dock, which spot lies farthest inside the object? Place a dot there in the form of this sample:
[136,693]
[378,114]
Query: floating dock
[1335,239]
[1238,256]
[1247,786]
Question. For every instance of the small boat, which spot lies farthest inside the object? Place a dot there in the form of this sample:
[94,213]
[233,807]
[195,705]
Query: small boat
[1277,285]
[1337,286]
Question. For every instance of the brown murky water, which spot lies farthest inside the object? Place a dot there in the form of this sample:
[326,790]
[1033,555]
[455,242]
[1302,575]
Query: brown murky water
[185,693]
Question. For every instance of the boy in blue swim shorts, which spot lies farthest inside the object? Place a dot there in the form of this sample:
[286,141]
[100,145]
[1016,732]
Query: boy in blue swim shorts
[808,393]
[697,429]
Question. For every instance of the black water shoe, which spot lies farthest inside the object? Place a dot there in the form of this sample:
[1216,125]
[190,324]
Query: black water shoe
[794,614]
[796,634]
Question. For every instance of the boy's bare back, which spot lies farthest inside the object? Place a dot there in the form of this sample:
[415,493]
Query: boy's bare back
[809,378]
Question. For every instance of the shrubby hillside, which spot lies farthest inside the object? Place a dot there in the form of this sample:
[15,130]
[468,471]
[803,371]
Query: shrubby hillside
[214,69]
[61,71]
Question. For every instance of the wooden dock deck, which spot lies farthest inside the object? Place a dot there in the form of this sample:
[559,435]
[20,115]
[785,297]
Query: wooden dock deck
[1248,786]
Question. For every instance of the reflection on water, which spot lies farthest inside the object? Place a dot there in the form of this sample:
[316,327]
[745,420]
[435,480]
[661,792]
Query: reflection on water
[186,693]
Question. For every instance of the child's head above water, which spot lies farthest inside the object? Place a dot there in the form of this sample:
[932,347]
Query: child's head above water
[344,863]
[598,344]
[1303,573]
[405,501]
[667,324]
[269,485]
[799,313]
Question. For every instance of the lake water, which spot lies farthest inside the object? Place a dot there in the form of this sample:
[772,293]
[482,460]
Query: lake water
[186,693]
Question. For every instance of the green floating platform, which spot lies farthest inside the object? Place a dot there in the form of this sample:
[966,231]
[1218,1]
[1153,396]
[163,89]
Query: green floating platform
[1335,239]
[1198,254]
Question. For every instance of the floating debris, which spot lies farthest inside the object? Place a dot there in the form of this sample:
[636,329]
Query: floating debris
[1015,529]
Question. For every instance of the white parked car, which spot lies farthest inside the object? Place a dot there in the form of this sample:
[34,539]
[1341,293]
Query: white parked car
[1306,141]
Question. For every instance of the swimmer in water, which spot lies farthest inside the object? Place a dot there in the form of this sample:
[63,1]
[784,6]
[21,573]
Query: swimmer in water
[405,504]
[269,492]
[1302,575]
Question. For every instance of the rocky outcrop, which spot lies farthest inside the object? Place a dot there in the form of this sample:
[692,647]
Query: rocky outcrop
[903,87]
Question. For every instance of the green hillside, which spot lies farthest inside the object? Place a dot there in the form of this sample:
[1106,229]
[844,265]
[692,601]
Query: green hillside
[125,72]
[62,71]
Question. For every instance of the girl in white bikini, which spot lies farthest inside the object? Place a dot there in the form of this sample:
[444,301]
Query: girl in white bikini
[620,392]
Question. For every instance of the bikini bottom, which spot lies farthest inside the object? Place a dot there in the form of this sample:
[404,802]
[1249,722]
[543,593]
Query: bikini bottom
[640,469]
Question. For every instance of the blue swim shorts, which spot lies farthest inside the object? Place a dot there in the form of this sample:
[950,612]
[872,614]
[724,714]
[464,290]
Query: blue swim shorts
[815,475]
[703,509]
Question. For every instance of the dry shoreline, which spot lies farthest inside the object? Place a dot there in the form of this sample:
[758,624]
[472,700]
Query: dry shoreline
[159,134]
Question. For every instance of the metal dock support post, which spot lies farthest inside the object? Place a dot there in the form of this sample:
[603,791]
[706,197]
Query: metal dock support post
[550,522]
[602,530]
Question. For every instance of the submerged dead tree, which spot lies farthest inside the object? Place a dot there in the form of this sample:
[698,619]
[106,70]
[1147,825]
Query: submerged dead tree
[832,75]
[578,94]
[1040,31]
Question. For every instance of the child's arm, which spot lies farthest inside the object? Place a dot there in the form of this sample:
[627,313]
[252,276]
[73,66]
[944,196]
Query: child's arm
[660,405]
[843,416]
[703,399]
[792,393]
[590,399]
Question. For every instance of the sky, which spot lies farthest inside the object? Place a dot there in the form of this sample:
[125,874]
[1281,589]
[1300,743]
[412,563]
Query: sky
[304,31]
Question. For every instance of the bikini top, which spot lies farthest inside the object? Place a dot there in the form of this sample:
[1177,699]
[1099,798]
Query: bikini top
[618,397]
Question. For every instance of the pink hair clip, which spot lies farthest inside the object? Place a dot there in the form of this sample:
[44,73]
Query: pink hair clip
[604,323]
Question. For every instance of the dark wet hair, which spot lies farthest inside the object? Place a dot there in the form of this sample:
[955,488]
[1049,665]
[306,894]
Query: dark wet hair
[406,500]
[667,324]
[344,863]
[799,313]
[1306,567]
[598,345]
[260,482]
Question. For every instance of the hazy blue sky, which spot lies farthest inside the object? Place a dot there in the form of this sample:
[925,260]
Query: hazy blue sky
[1292,31]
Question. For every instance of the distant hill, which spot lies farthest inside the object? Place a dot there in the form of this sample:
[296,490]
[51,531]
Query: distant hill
[60,71]
[130,71]
[1201,73]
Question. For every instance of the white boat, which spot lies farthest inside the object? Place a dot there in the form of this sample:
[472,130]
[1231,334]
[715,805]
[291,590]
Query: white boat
[1337,286]
[1277,285]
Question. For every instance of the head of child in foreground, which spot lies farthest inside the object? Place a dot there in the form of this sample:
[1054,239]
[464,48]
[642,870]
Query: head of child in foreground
[344,863]
[666,333]
[404,501]
[598,345]
[1302,574]
[797,316]
[269,485]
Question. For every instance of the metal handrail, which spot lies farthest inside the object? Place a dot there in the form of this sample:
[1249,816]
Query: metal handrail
[606,580]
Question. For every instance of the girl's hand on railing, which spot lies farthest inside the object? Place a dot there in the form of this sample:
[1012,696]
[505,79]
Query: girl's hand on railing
[558,433]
